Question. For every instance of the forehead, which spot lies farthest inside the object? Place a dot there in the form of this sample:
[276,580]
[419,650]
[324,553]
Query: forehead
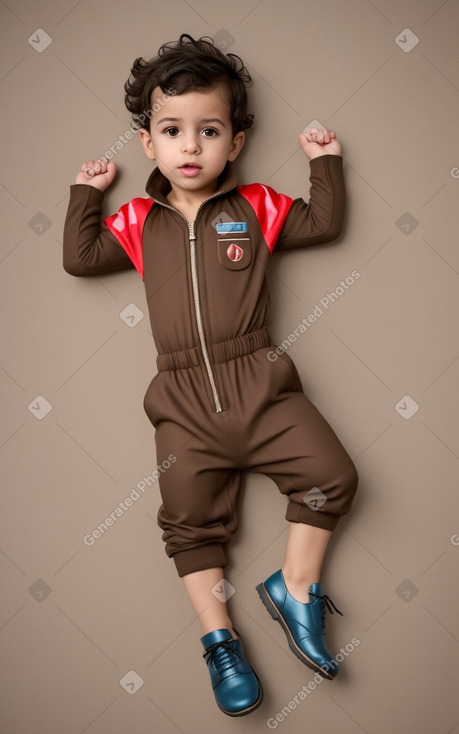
[205,103]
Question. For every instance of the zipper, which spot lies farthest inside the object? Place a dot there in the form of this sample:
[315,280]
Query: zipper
[197,310]
[196,299]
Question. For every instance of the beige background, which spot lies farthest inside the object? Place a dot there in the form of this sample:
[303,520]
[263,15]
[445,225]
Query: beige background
[75,618]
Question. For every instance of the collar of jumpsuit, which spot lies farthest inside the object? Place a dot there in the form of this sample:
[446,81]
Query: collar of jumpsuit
[158,185]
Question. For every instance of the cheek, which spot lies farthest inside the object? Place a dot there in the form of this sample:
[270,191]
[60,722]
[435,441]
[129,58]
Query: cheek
[161,147]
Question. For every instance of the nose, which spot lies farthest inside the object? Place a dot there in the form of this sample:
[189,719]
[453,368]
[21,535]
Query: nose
[191,144]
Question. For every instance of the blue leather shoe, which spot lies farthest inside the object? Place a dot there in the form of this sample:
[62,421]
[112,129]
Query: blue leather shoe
[303,624]
[237,689]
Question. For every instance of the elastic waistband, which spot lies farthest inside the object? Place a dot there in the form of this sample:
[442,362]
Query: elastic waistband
[221,352]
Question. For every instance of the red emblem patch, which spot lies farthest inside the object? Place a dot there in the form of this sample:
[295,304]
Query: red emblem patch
[235,253]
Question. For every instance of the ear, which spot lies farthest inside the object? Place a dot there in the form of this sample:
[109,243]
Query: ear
[147,143]
[236,145]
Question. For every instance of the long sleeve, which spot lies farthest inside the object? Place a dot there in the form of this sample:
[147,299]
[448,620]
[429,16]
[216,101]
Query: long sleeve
[89,246]
[321,219]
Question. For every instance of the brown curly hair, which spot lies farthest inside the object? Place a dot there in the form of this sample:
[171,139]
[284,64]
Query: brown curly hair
[185,66]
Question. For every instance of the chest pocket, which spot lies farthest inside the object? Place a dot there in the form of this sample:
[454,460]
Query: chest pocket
[234,253]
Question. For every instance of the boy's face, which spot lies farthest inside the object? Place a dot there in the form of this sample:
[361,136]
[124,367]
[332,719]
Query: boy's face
[191,139]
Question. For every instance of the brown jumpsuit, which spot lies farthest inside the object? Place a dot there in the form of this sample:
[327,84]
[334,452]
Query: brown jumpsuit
[220,403]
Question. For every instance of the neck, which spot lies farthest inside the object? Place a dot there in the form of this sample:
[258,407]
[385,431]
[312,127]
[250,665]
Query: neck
[188,202]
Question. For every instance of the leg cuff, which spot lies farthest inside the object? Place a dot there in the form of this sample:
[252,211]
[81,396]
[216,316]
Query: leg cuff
[198,559]
[303,513]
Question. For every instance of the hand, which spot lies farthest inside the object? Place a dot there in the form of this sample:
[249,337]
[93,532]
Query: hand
[99,174]
[319,141]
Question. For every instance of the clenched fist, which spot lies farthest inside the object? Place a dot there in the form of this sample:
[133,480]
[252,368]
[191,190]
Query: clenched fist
[319,141]
[99,173]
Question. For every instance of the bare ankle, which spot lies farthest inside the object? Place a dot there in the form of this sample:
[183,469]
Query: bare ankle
[298,584]
[301,577]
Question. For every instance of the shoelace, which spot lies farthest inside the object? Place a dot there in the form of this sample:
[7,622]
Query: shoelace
[223,653]
[325,604]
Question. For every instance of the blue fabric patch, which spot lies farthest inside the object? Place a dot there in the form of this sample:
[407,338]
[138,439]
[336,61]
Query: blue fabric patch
[223,227]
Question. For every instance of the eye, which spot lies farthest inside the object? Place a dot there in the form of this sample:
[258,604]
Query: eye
[209,132]
[171,132]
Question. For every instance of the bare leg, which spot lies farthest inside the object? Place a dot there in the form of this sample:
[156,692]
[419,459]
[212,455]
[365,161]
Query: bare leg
[212,613]
[304,556]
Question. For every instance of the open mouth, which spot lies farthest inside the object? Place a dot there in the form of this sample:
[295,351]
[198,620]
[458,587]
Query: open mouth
[190,169]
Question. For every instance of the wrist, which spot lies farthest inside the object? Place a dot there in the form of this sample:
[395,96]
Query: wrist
[324,154]
[321,153]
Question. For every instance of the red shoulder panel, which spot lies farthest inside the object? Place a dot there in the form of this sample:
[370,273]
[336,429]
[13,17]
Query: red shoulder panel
[270,207]
[127,226]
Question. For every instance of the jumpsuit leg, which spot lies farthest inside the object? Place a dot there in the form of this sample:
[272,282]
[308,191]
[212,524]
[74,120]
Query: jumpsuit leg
[308,464]
[200,494]
[288,439]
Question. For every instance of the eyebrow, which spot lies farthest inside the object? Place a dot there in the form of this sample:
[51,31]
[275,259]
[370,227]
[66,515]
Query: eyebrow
[206,120]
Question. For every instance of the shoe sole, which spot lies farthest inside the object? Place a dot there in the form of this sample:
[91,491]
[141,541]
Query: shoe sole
[277,616]
[248,710]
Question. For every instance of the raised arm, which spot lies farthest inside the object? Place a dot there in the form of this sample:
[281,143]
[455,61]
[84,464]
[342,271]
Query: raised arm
[319,220]
[89,246]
